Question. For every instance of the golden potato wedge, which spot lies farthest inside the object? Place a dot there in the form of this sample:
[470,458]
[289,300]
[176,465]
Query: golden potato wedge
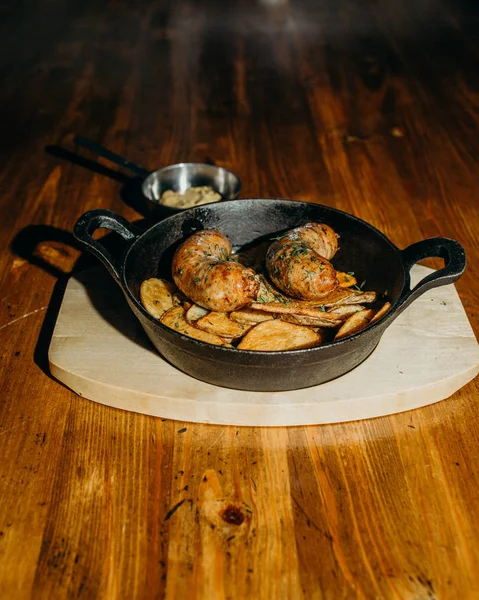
[220,324]
[310,321]
[195,312]
[338,297]
[279,335]
[381,312]
[156,295]
[346,280]
[335,298]
[342,296]
[293,308]
[363,298]
[250,316]
[175,318]
[345,310]
[360,297]
[355,323]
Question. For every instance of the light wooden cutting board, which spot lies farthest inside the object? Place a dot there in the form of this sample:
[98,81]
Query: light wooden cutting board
[100,351]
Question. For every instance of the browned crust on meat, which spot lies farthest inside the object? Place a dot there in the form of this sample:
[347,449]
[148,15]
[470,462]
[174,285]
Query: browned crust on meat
[202,270]
[298,262]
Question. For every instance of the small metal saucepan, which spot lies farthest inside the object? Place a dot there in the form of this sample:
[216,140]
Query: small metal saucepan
[363,249]
[178,177]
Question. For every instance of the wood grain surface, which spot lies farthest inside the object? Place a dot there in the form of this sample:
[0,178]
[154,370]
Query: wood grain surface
[370,107]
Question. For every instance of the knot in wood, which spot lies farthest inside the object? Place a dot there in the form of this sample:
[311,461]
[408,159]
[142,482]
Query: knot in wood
[232,515]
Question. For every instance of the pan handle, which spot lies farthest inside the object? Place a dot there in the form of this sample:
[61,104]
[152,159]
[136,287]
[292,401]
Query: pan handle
[111,156]
[455,263]
[102,218]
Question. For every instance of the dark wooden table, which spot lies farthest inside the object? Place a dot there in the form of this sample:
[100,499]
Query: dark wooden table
[371,107]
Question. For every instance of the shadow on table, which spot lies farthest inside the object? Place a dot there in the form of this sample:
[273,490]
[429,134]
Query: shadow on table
[50,249]
[130,193]
[57,252]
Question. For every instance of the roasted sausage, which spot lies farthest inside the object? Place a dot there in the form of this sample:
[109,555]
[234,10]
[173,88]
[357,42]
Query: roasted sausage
[318,236]
[203,271]
[298,262]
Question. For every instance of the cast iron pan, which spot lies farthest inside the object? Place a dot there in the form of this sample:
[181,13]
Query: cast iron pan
[363,249]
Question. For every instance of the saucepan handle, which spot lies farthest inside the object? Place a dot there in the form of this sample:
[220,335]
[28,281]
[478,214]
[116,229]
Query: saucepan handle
[92,220]
[455,263]
[111,156]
